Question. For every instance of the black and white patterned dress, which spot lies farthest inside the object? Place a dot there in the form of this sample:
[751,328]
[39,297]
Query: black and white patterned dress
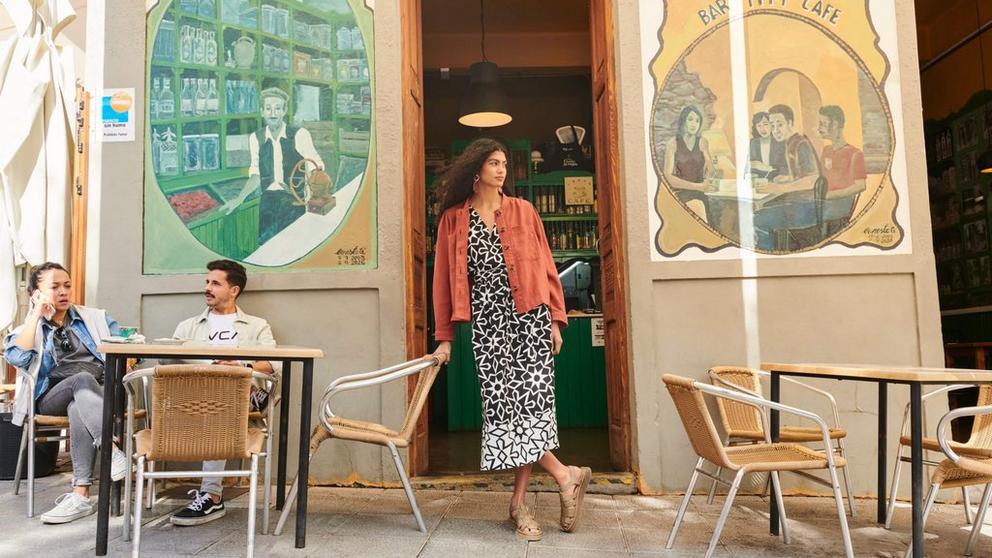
[513,358]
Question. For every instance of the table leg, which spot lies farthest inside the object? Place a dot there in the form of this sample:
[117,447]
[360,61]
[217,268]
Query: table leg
[773,527]
[883,446]
[103,502]
[303,472]
[284,385]
[916,432]
[119,410]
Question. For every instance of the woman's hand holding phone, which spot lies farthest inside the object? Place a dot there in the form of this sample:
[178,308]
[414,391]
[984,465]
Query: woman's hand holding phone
[42,305]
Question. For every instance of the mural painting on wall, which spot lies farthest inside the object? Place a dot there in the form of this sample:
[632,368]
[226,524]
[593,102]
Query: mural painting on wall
[819,141]
[259,143]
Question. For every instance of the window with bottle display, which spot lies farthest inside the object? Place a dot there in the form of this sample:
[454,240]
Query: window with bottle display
[260,127]
[572,228]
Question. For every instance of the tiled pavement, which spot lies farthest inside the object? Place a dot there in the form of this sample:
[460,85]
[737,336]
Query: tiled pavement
[370,522]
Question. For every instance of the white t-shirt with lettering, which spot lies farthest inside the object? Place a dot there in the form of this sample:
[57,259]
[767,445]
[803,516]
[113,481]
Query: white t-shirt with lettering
[222,331]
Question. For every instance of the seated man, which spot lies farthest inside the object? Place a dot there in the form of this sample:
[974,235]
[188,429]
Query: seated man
[223,323]
[795,208]
[843,167]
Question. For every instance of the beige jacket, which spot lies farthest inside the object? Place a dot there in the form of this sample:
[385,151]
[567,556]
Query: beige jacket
[252,330]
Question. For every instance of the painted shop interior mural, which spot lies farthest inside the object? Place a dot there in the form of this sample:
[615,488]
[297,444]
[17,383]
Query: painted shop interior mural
[259,136]
[819,147]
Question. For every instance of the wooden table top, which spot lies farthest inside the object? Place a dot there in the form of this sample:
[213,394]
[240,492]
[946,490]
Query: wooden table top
[273,352]
[878,372]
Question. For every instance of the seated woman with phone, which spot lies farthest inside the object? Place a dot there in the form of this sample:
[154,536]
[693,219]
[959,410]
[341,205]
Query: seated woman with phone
[56,345]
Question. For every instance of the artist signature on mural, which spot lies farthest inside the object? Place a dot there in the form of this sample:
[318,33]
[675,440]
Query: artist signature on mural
[882,235]
[351,256]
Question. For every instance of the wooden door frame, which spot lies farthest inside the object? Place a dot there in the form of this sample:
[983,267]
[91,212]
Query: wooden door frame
[414,254]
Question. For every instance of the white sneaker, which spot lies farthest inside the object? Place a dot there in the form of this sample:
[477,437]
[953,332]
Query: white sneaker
[118,464]
[69,507]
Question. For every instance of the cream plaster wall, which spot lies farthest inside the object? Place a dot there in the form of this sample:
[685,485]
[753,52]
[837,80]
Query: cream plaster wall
[688,316]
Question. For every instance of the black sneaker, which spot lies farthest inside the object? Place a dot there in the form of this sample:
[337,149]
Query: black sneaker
[201,510]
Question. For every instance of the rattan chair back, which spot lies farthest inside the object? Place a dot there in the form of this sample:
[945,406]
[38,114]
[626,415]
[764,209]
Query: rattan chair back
[737,416]
[199,413]
[696,419]
[981,429]
[418,400]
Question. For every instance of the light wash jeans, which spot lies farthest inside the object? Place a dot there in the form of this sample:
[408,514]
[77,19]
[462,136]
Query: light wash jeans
[80,398]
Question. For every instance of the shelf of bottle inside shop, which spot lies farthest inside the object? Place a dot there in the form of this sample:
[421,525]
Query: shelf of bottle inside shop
[568,254]
[205,118]
[196,17]
[569,217]
[311,46]
[554,178]
[173,184]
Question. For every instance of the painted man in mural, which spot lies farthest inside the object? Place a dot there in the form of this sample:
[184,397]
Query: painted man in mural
[794,208]
[275,149]
[843,166]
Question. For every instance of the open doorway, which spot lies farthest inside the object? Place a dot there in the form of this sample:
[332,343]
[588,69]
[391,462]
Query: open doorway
[556,68]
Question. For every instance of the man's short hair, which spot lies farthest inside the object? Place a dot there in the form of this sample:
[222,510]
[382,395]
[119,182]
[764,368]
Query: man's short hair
[834,113]
[236,274]
[785,111]
[275,92]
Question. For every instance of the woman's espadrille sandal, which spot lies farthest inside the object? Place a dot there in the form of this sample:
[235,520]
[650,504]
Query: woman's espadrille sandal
[528,528]
[572,494]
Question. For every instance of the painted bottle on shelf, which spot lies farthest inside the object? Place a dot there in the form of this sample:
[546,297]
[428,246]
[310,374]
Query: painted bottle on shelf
[166,100]
[186,98]
[213,101]
[186,45]
[200,101]
[168,158]
[156,152]
[211,48]
[153,100]
[199,47]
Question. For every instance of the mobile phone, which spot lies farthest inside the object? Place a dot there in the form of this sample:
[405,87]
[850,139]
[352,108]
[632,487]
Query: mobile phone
[48,309]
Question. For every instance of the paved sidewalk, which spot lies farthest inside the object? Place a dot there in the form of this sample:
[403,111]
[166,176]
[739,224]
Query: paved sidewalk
[370,522]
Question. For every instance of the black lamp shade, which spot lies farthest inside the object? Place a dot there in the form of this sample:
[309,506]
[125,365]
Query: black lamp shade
[484,105]
[984,162]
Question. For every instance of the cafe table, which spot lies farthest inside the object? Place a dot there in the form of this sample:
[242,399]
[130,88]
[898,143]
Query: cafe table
[117,355]
[915,378]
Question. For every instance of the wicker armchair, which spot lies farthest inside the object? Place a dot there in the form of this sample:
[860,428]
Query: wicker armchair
[768,457]
[978,446]
[332,426]
[197,413]
[961,470]
[745,424]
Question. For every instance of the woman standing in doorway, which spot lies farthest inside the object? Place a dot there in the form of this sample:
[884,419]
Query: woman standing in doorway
[493,267]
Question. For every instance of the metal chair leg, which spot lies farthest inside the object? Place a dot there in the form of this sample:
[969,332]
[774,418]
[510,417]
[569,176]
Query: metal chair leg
[966,499]
[287,506]
[723,514]
[252,500]
[845,532]
[31,435]
[20,462]
[151,487]
[847,477]
[979,520]
[931,497]
[129,452]
[267,476]
[777,487]
[406,486]
[712,495]
[139,487]
[895,488]
[685,504]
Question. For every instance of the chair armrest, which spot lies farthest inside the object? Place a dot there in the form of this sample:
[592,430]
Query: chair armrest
[378,377]
[766,404]
[744,390]
[945,422]
[925,398]
[826,394]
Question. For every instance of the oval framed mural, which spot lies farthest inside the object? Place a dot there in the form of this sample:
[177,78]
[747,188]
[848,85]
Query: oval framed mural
[817,140]
[259,135]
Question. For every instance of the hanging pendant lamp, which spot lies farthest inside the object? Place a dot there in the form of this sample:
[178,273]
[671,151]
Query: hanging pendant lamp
[484,105]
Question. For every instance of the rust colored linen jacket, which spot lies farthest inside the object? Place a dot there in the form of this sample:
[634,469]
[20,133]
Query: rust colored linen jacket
[530,267]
